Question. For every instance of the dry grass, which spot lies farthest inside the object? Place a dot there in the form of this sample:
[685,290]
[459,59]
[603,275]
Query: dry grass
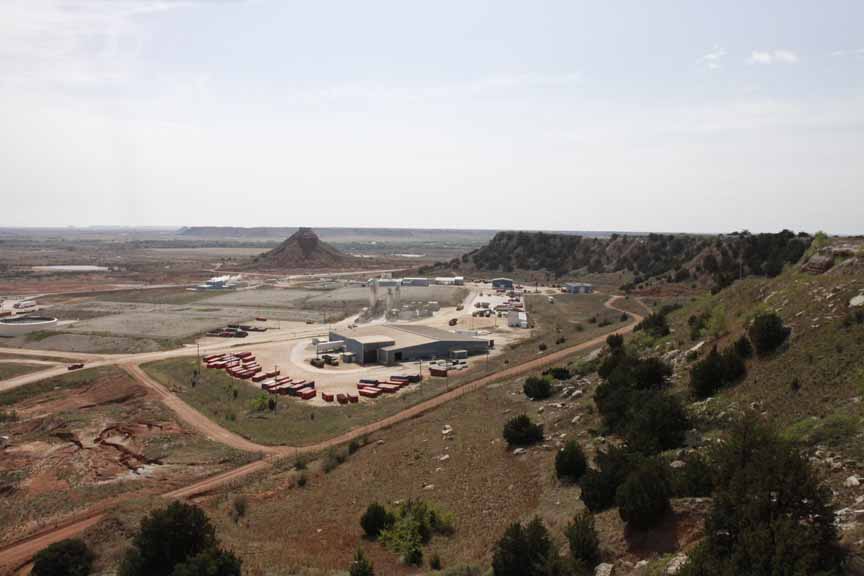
[481,483]
[10,369]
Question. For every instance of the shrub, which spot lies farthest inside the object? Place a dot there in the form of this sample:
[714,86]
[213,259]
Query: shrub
[694,480]
[542,347]
[415,524]
[166,538]
[697,324]
[743,347]
[212,562]
[643,498]
[570,462]
[628,382]
[271,403]
[706,376]
[599,486]
[300,463]
[560,373]
[658,424]
[260,403]
[537,388]
[333,459]
[302,480]
[651,374]
[523,550]
[435,562]
[65,558]
[584,544]
[375,520]
[717,370]
[353,446]
[654,324]
[615,341]
[238,507]
[734,368]
[770,515]
[767,333]
[521,431]
[361,566]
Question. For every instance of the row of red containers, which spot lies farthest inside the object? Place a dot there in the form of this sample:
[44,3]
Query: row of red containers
[369,390]
[239,365]
[304,389]
[213,357]
[341,398]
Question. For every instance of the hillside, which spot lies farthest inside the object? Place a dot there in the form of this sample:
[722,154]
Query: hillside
[673,258]
[304,250]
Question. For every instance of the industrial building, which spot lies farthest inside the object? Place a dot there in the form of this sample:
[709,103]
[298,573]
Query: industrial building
[219,283]
[450,280]
[391,343]
[502,283]
[578,288]
[517,319]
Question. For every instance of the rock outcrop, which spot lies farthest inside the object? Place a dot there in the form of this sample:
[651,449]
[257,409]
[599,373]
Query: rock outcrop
[303,250]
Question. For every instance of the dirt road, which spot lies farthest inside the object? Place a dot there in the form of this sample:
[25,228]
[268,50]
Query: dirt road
[193,418]
[18,554]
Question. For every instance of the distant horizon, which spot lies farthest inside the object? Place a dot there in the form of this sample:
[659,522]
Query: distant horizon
[170,228]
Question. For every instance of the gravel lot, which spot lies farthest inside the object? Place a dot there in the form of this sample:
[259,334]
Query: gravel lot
[287,297]
[445,295]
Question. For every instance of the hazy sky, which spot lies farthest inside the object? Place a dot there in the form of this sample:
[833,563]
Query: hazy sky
[640,115]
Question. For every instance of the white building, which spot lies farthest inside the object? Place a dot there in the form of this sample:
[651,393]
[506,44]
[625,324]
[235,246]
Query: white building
[450,280]
[219,282]
[517,319]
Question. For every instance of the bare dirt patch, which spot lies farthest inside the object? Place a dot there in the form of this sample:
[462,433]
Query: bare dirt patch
[85,437]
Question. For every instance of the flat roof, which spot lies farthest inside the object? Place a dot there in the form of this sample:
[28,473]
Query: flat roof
[373,339]
[432,333]
[403,335]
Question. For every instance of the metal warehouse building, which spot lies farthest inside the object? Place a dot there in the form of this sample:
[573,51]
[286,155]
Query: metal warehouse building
[502,283]
[578,288]
[392,343]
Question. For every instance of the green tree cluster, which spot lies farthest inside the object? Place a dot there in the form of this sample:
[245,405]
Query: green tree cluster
[65,558]
[178,540]
[770,514]
[414,522]
[633,402]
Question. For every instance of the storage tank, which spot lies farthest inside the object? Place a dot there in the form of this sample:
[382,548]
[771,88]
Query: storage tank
[20,325]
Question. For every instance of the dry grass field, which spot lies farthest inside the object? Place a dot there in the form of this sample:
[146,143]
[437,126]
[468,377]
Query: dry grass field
[12,369]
